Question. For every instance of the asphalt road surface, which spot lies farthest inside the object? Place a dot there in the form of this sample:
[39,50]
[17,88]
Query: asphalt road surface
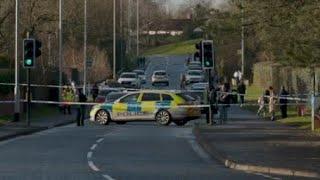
[133,151]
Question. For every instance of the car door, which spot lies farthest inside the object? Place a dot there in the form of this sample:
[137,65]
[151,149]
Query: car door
[149,105]
[127,108]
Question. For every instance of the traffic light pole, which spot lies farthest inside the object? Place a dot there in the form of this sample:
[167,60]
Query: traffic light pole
[28,98]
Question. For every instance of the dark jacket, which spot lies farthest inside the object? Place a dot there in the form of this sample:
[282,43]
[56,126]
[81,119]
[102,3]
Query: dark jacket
[283,94]
[242,88]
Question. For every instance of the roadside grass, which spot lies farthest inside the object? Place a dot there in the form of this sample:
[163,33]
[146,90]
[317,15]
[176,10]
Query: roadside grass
[37,113]
[179,48]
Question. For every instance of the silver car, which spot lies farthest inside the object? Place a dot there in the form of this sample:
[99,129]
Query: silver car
[129,80]
[160,77]
[194,76]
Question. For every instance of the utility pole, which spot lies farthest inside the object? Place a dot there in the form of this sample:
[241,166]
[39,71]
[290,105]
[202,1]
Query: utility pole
[85,49]
[129,25]
[242,40]
[114,40]
[16,85]
[138,27]
[60,50]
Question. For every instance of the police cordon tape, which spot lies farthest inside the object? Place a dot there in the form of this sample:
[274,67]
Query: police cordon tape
[159,106]
[290,97]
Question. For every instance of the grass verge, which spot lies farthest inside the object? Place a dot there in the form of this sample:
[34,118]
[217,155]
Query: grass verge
[179,48]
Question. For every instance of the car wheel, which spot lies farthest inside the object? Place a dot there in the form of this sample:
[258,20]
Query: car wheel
[121,122]
[163,118]
[181,123]
[102,117]
[153,84]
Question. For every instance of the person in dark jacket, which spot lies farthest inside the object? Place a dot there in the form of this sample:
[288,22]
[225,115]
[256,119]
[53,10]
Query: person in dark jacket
[81,108]
[95,92]
[224,100]
[241,91]
[283,102]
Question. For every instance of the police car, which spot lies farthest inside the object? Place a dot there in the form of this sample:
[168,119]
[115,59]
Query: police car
[162,107]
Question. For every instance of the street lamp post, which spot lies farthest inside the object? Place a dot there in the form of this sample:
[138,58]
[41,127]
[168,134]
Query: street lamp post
[60,50]
[16,86]
[242,40]
[138,27]
[85,49]
[114,40]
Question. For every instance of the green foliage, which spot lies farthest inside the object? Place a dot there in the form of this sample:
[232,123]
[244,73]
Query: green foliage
[180,48]
[6,77]
[4,61]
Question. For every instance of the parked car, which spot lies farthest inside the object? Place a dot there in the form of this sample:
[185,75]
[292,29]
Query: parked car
[160,106]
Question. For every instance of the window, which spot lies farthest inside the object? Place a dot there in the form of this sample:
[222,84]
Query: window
[131,98]
[160,73]
[131,76]
[151,97]
[166,97]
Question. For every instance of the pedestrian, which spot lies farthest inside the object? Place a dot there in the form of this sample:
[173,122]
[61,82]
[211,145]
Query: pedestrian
[224,100]
[272,102]
[283,102]
[213,103]
[95,92]
[64,97]
[81,108]
[183,81]
[262,101]
[69,98]
[242,91]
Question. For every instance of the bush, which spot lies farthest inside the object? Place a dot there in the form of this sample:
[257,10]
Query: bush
[6,77]
[4,61]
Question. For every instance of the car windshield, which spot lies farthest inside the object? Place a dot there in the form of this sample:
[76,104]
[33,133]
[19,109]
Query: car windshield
[186,97]
[194,73]
[105,92]
[160,73]
[114,96]
[139,72]
[128,76]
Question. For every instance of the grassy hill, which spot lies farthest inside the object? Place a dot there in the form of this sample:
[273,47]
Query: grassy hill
[179,48]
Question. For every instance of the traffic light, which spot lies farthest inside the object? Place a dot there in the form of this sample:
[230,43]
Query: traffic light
[29,54]
[198,54]
[38,48]
[208,54]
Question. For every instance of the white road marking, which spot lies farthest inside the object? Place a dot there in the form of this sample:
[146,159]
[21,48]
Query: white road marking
[267,176]
[100,140]
[93,147]
[92,166]
[89,155]
[107,177]
[203,155]
[90,162]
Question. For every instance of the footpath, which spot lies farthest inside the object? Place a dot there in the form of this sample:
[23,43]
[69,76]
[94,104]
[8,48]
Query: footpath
[15,129]
[251,144]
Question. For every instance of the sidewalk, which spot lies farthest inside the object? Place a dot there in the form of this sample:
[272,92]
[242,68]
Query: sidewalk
[15,129]
[251,144]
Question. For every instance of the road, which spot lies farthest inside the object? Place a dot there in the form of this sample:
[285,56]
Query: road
[132,151]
